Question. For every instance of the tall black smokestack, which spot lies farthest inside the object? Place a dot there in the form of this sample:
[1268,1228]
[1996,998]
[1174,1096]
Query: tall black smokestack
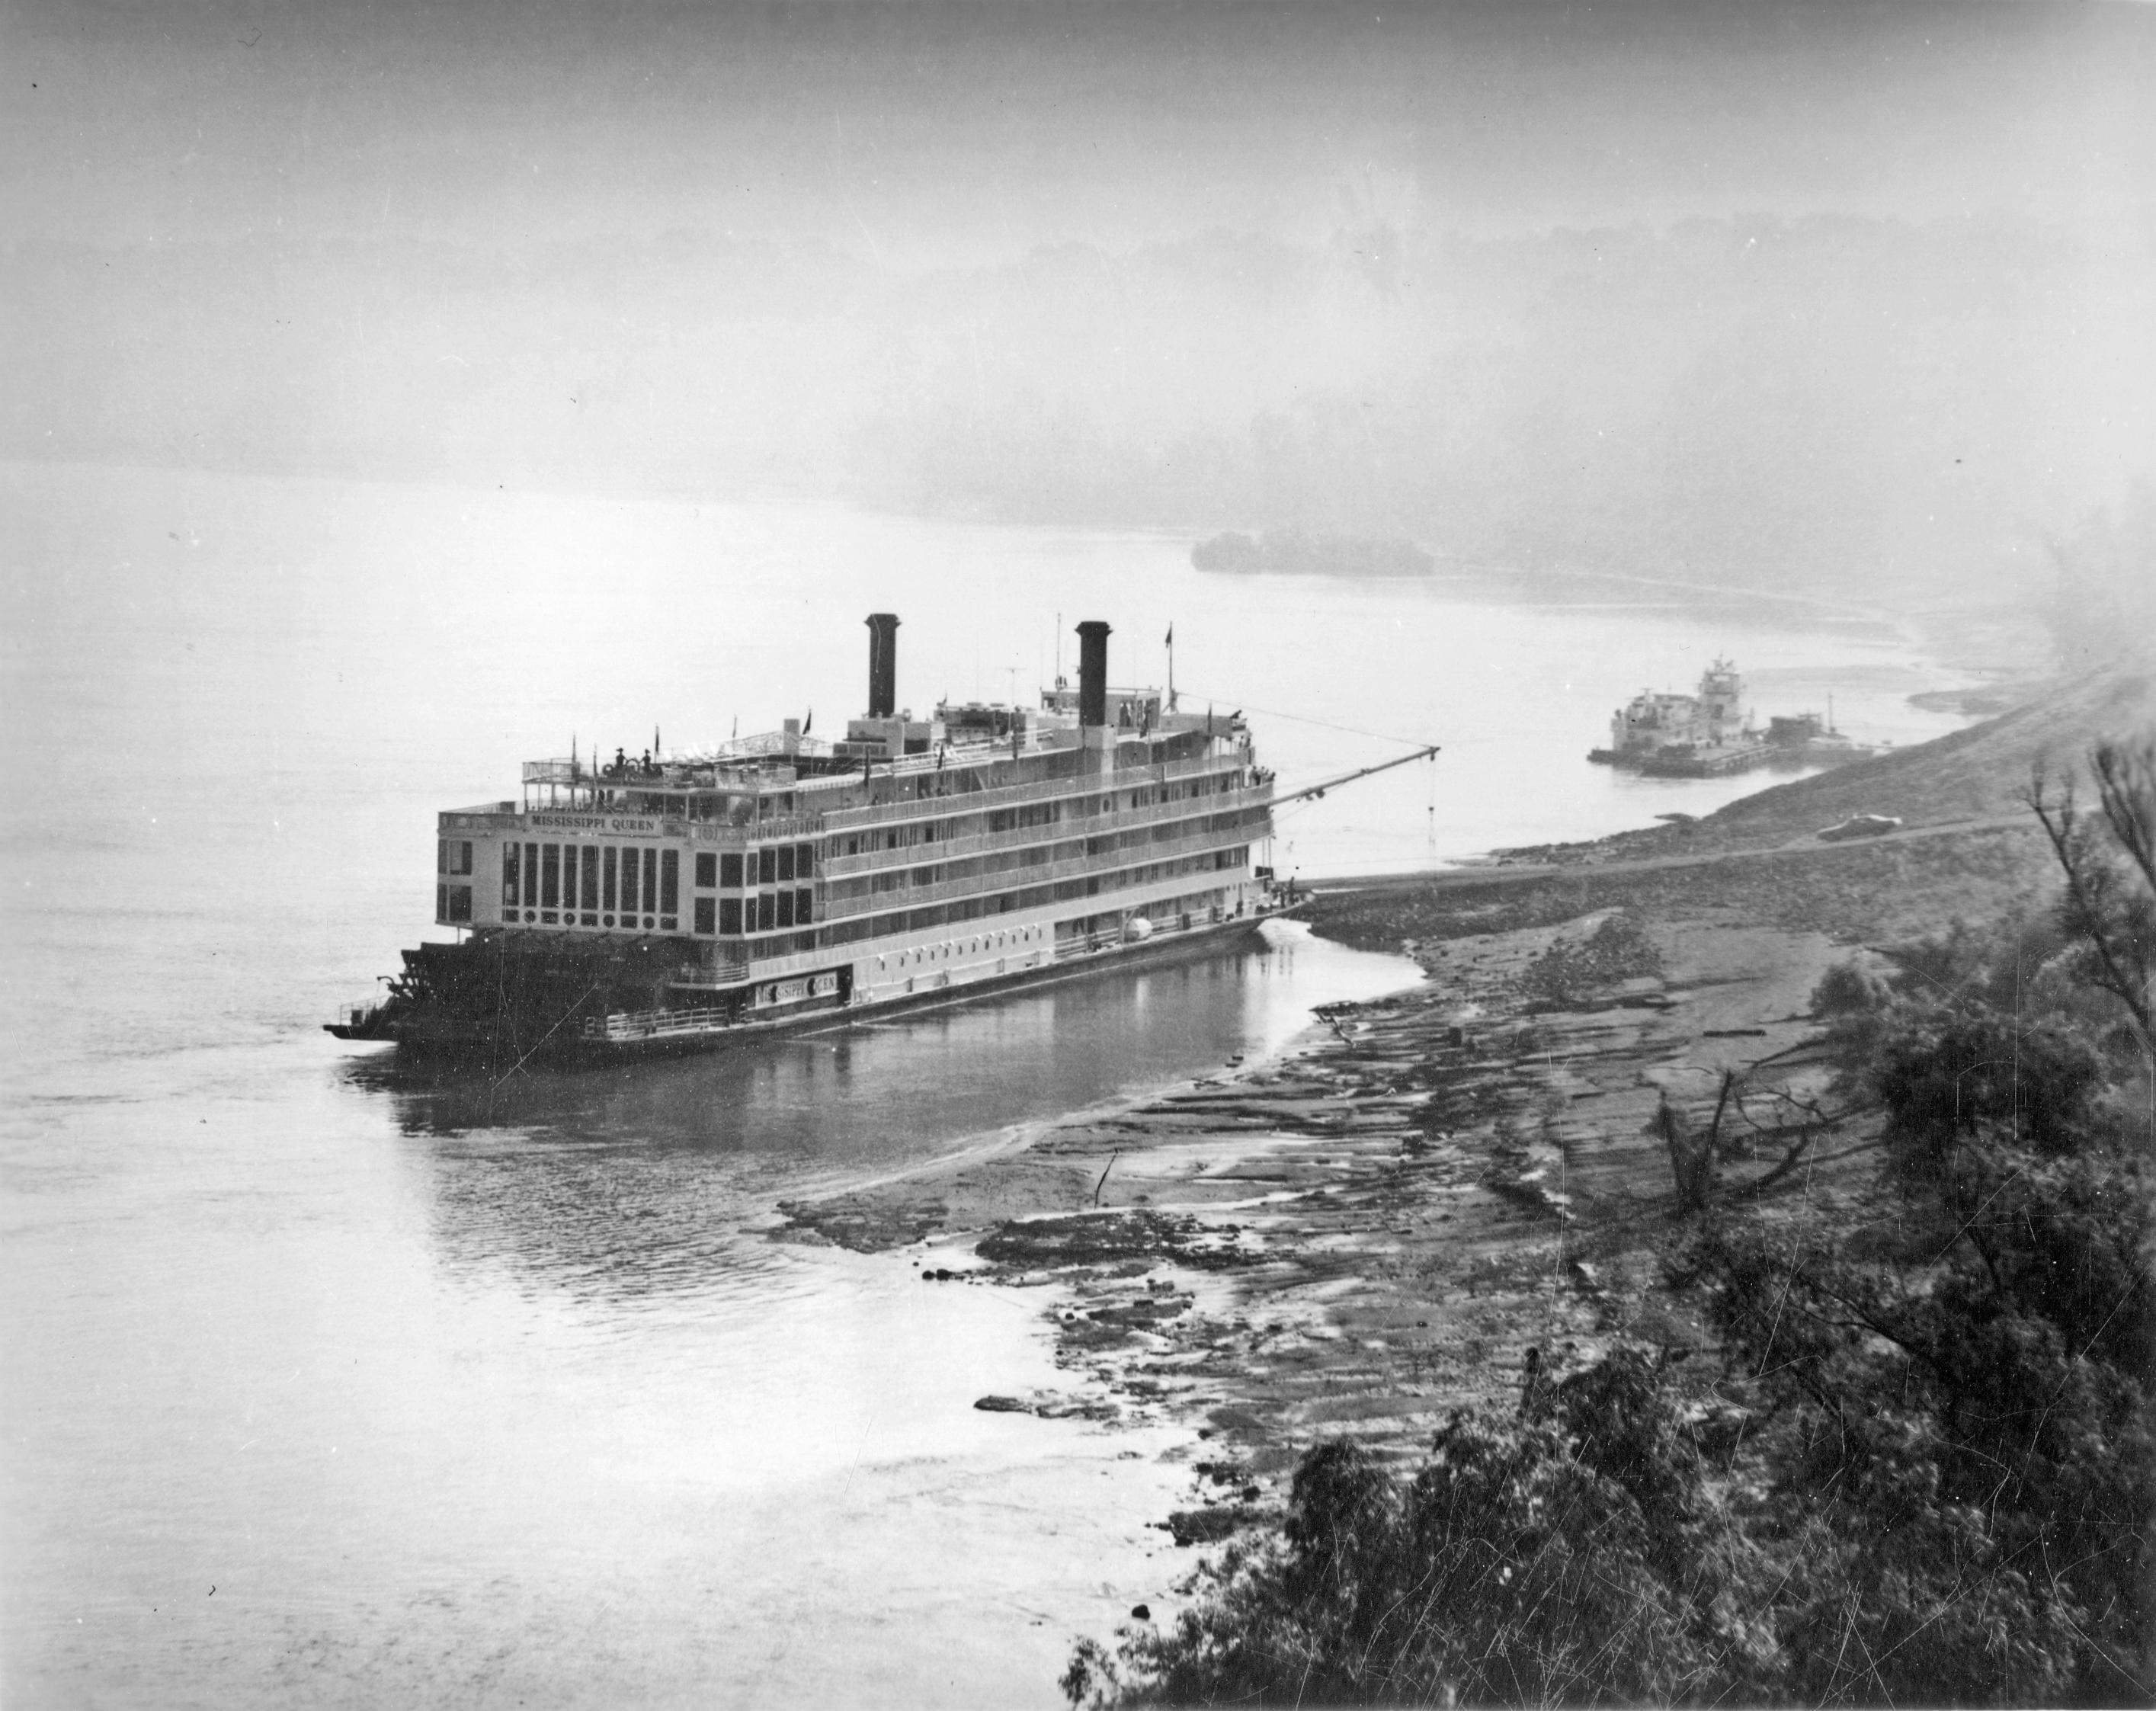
[1093,672]
[883,664]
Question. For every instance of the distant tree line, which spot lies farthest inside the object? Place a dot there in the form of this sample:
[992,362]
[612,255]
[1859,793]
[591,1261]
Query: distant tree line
[1790,404]
[1295,550]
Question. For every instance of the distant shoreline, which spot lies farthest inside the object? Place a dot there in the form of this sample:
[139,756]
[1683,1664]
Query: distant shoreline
[1989,640]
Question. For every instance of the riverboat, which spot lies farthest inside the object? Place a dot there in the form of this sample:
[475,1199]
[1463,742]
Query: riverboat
[651,904]
[1711,734]
[1702,736]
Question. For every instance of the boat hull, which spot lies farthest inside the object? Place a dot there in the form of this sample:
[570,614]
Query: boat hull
[1686,763]
[503,1045]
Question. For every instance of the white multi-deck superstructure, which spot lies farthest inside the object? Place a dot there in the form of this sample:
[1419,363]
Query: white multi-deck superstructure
[623,904]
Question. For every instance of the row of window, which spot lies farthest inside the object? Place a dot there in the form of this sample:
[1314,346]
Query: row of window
[554,876]
[571,917]
[963,948]
[1032,813]
[624,881]
[590,877]
[842,891]
[776,864]
[860,926]
[767,911]
[729,916]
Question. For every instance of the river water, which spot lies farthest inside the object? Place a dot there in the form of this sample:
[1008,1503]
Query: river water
[325,1385]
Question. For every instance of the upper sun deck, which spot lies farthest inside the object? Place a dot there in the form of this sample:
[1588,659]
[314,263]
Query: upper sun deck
[787,781]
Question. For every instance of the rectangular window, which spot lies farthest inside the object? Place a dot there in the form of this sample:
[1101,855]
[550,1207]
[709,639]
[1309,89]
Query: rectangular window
[704,913]
[767,912]
[509,854]
[441,903]
[550,876]
[651,876]
[784,876]
[805,861]
[707,871]
[590,899]
[730,916]
[464,856]
[628,881]
[804,904]
[530,874]
[730,866]
[767,866]
[785,908]
[670,881]
[568,875]
[441,855]
[460,902]
[609,887]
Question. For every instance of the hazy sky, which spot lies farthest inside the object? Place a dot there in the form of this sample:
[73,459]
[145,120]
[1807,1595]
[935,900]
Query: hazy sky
[928,133]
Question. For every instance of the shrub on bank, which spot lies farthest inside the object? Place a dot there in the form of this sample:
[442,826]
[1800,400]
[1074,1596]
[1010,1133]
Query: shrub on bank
[1574,1555]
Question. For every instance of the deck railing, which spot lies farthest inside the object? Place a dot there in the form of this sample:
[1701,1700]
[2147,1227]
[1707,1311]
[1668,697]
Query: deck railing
[838,867]
[622,1025]
[1124,897]
[711,975]
[1022,878]
[843,820]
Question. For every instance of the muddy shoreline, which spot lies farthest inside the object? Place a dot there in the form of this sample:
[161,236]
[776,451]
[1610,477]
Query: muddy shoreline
[1373,1229]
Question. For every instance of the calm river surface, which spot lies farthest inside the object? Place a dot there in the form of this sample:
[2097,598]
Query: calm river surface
[324,1386]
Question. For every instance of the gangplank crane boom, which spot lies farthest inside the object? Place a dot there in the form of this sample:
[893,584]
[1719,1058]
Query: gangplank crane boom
[1350,777]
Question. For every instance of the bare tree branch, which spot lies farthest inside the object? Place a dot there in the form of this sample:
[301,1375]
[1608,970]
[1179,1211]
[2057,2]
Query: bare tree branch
[2092,909]
[2126,790]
